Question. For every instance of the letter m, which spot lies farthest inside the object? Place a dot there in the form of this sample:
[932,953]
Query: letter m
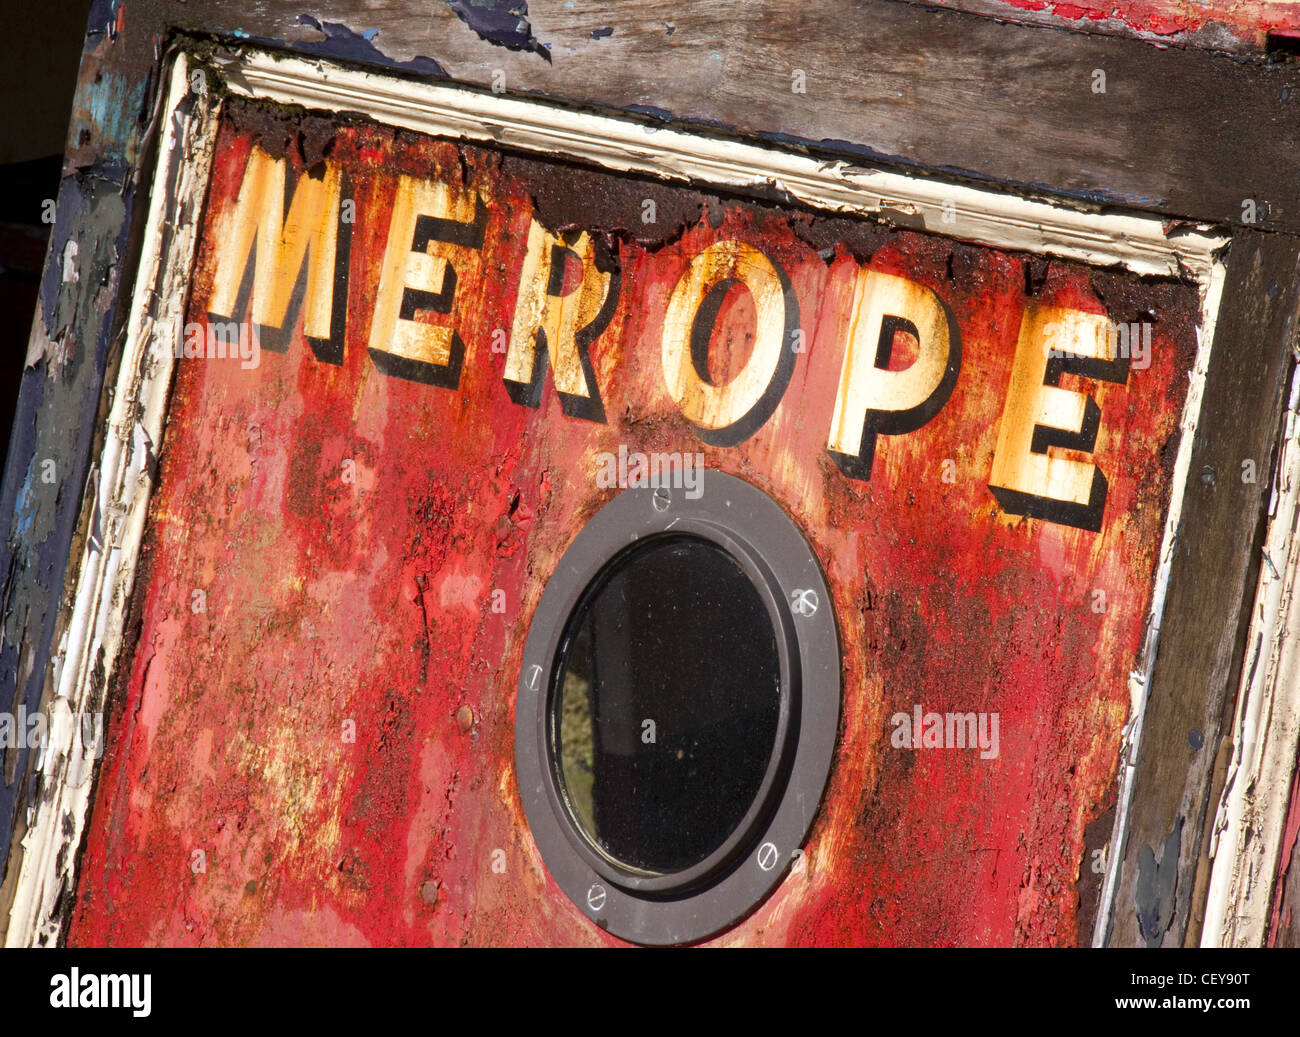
[286,246]
[963,730]
[116,991]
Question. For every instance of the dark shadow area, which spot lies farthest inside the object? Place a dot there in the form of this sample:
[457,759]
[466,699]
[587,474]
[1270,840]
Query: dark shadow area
[38,78]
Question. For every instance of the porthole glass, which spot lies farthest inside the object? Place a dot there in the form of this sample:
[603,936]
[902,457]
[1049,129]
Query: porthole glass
[666,703]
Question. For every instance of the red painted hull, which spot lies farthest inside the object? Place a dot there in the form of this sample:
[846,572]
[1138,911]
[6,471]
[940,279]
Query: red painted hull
[370,600]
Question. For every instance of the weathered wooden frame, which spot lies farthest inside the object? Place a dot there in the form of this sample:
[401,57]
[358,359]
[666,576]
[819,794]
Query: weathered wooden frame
[117,505]
[965,143]
[1248,828]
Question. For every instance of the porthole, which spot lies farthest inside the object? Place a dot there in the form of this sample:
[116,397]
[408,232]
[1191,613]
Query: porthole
[677,710]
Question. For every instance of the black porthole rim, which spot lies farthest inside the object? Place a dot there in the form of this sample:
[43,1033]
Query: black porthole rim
[735,512]
[654,885]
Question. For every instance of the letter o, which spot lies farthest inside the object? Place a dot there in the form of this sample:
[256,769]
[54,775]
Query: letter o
[724,415]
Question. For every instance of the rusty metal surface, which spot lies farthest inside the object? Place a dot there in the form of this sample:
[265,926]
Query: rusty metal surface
[328,540]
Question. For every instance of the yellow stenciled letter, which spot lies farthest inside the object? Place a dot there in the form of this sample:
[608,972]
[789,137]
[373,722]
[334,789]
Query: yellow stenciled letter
[1040,416]
[430,220]
[873,400]
[550,324]
[725,415]
[285,261]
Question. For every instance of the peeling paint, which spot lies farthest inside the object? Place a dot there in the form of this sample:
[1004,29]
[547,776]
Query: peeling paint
[343,43]
[1157,887]
[1253,832]
[503,23]
[1137,243]
[64,375]
[88,245]
[63,371]
[77,681]
[377,588]
[1237,26]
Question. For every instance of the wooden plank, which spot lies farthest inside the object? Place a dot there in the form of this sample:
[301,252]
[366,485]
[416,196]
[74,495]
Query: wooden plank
[54,429]
[1212,582]
[44,511]
[1181,132]
[1252,794]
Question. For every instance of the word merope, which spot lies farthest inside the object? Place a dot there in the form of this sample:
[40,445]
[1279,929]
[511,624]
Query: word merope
[294,257]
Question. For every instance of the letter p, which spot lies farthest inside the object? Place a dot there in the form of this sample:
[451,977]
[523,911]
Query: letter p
[875,400]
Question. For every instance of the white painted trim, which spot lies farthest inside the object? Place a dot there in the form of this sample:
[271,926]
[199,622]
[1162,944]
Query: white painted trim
[1246,840]
[1135,242]
[120,491]
[1002,220]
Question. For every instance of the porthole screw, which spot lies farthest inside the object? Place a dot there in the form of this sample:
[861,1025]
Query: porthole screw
[596,896]
[662,498]
[534,678]
[767,856]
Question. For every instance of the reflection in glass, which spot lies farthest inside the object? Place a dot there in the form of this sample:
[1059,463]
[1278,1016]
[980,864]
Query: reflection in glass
[668,696]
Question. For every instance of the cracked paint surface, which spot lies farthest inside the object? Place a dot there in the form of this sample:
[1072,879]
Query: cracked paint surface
[1171,17]
[347,529]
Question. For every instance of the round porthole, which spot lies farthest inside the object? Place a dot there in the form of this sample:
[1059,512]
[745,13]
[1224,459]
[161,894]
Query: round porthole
[677,709]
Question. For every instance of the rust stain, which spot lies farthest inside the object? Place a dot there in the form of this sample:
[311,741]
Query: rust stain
[334,729]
